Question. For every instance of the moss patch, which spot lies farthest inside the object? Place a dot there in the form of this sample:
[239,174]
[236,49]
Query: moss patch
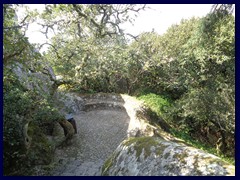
[139,143]
[108,164]
[181,156]
[145,143]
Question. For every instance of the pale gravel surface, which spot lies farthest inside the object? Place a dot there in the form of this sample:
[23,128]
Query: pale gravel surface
[99,134]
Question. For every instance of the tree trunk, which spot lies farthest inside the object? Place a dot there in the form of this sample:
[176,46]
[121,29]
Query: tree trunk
[223,143]
[68,129]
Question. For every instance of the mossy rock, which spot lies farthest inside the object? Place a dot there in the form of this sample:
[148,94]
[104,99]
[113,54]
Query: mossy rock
[140,143]
[142,156]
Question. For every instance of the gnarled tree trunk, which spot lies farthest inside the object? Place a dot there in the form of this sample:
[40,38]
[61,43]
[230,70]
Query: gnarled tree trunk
[68,129]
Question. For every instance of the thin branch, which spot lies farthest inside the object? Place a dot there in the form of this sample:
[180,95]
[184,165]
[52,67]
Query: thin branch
[22,23]
[55,50]
[6,58]
[85,16]
[134,37]
[24,19]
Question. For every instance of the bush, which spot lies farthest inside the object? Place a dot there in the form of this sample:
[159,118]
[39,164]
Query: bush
[22,107]
[157,103]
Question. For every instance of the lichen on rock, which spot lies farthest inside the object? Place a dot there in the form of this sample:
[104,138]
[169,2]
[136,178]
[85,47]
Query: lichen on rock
[154,156]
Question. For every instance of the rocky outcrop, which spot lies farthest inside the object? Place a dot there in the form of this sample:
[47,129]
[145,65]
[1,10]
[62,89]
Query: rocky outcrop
[70,103]
[153,156]
[103,124]
[33,80]
[36,127]
[44,83]
[138,125]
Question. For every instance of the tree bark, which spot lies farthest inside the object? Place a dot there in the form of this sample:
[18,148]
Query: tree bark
[68,129]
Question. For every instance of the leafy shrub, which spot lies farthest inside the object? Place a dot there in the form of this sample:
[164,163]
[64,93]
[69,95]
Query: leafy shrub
[16,112]
[157,103]
[21,107]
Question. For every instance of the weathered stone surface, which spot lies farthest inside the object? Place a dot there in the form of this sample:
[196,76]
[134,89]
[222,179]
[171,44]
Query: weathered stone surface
[71,102]
[35,80]
[152,156]
[43,83]
[137,125]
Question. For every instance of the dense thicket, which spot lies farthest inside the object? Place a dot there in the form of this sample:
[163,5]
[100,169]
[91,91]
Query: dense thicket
[192,64]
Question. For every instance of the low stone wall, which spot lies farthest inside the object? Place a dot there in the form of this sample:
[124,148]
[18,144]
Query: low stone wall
[138,126]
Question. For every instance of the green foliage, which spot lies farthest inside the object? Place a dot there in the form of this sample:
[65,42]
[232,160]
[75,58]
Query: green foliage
[157,103]
[196,66]
[192,64]
[41,151]
[210,97]
[172,43]
[17,104]
[46,112]
[197,144]
[89,47]
[156,60]
[161,106]
[15,44]
[22,106]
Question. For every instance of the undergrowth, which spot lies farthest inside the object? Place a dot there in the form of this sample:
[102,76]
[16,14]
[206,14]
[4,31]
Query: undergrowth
[160,104]
[195,143]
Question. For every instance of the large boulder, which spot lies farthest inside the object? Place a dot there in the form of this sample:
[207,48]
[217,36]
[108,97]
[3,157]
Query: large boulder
[154,156]
[33,80]
[71,103]
[44,83]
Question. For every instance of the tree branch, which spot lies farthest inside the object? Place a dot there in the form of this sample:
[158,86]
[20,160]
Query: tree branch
[85,16]
[134,37]
[55,50]
[6,58]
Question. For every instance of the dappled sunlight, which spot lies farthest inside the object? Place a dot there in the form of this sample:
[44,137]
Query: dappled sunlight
[77,58]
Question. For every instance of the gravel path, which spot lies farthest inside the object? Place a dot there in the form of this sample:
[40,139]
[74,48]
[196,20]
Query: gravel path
[99,134]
